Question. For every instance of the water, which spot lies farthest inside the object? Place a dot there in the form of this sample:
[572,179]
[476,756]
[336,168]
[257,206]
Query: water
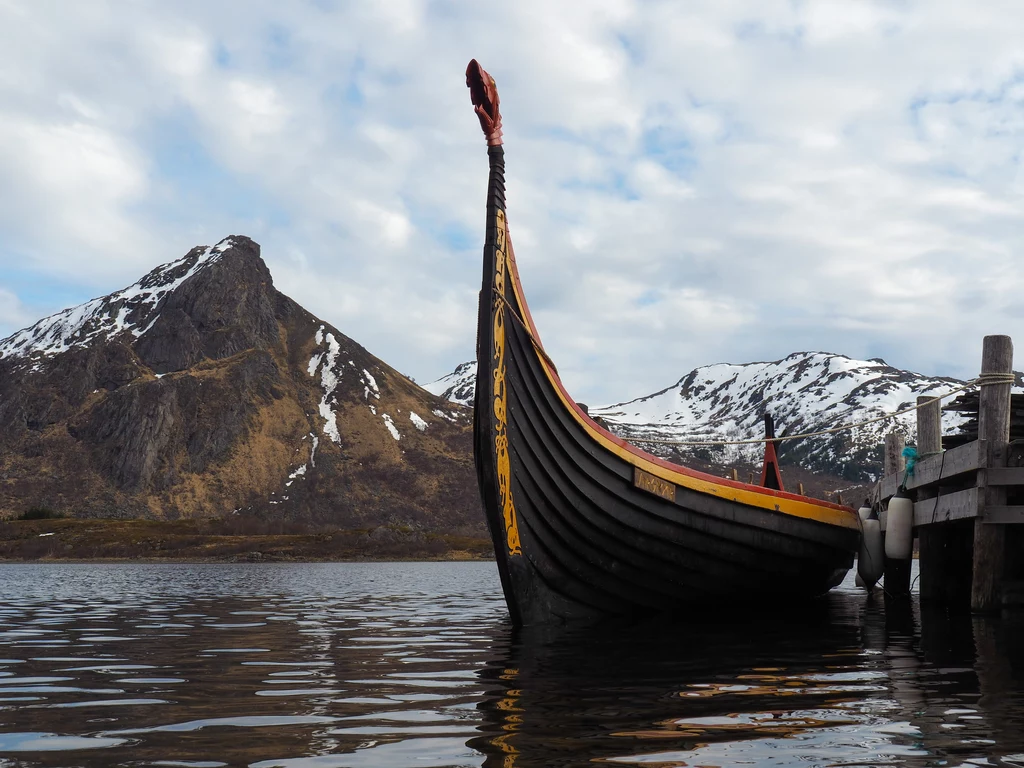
[406,664]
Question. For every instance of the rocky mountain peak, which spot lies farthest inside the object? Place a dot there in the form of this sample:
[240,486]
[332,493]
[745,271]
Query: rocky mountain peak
[222,305]
[213,302]
[201,389]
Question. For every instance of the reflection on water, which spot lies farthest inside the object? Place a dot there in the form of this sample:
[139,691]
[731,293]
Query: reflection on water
[404,664]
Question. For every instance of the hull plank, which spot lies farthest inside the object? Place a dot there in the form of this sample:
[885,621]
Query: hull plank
[609,479]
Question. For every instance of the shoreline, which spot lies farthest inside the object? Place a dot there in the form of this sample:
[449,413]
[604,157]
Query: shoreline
[214,540]
[220,561]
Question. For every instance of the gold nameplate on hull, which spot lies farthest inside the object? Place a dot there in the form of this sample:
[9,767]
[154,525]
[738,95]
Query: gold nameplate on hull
[645,481]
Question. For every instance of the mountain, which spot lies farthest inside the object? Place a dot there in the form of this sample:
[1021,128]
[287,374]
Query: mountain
[804,392]
[458,386]
[201,390]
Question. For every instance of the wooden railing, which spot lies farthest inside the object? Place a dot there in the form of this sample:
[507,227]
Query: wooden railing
[961,507]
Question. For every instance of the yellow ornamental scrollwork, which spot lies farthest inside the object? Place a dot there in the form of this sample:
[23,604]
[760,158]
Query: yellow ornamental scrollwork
[504,467]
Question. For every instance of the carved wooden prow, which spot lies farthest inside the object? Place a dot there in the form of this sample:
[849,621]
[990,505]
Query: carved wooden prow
[484,93]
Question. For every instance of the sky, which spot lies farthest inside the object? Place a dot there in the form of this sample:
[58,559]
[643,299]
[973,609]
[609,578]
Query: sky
[687,183]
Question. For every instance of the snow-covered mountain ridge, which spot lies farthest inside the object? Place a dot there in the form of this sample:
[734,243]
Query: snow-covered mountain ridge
[132,309]
[458,386]
[804,392]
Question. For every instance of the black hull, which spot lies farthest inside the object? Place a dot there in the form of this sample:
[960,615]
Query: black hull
[586,526]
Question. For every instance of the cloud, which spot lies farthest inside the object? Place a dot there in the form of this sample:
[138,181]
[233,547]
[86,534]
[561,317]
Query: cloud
[720,182]
[83,179]
[12,313]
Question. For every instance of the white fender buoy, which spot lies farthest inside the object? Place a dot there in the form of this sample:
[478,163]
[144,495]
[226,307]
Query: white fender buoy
[870,563]
[899,529]
[865,513]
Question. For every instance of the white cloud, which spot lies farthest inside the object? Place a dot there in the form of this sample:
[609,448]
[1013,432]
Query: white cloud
[67,187]
[686,184]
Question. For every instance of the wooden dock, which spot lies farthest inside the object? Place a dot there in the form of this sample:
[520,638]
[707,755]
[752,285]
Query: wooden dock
[968,501]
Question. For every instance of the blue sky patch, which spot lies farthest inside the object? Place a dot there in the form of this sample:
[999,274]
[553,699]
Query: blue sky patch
[671,149]
[222,55]
[278,47]
[202,189]
[648,298]
[36,289]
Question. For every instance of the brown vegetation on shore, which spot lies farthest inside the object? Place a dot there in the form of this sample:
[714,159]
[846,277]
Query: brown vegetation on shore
[232,539]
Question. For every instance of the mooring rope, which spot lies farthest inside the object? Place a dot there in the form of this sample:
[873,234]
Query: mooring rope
[991,379]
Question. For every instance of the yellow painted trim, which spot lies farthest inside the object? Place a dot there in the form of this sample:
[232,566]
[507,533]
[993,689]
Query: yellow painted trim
[503,464]
[748,495]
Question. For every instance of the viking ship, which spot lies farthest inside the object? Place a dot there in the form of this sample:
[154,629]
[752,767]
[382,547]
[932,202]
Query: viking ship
[585,524]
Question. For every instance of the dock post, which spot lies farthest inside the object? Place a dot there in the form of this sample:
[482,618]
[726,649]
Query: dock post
[894,461]
[994,427]
[944,548]
[897,572]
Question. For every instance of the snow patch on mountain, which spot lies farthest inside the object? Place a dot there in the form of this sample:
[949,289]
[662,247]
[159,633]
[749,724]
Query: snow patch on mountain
[314,361]
[370,387]
[458,386]
[297,473]
[390,424]
[134,309]
[330,375]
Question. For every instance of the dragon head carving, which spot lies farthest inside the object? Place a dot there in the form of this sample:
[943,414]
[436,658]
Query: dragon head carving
[484,92]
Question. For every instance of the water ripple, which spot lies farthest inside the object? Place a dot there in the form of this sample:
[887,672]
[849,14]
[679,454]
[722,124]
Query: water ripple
[405,664]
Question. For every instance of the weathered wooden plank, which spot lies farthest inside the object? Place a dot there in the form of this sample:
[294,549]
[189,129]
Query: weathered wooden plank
[894,461]
[941,569]
[948,506]
[929,425]
[956,461]
[1005,476]
[1003,515]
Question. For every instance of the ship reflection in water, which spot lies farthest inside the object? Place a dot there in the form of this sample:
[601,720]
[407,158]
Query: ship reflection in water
[847,684]
[405,664]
